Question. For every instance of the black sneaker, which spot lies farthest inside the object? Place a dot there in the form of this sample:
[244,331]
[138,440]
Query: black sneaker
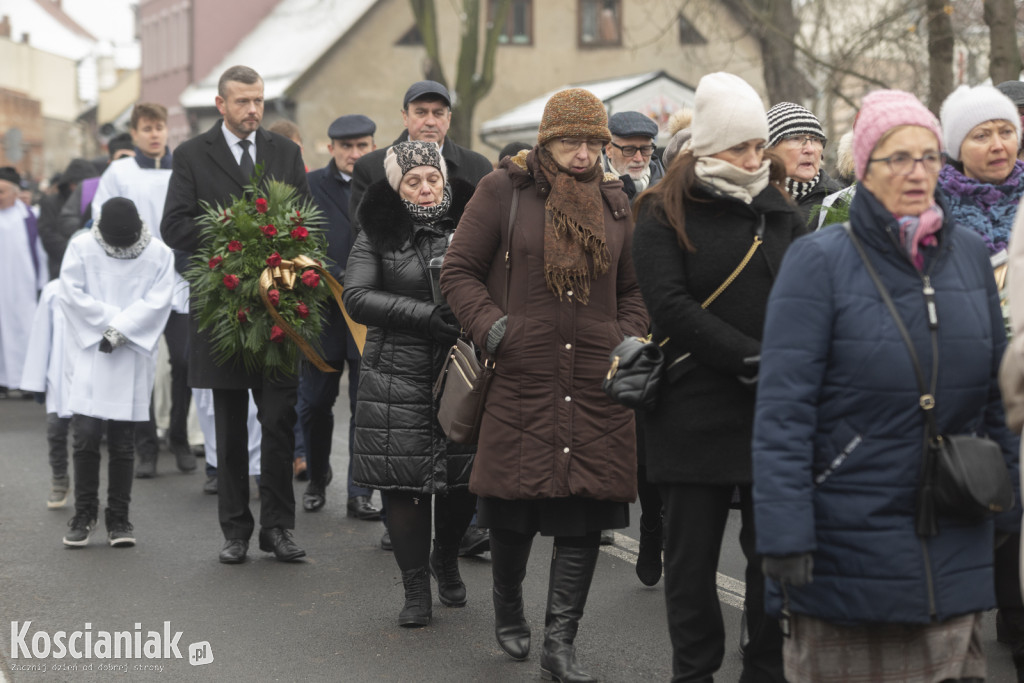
[81,525]
[119,532]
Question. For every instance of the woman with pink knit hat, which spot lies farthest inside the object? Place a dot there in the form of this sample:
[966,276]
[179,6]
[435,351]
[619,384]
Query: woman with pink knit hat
[871,581]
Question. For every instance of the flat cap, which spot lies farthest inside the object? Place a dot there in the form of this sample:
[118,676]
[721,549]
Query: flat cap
[632,124]
[421,89]
[351,126]
[1014,90]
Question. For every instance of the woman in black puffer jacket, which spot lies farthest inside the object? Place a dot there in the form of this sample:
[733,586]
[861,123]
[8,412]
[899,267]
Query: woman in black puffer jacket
[399,448]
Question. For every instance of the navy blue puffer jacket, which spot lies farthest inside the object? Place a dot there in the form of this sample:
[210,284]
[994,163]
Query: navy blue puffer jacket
[838,432]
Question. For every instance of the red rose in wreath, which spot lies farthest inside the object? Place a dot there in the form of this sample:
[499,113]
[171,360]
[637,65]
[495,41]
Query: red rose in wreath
[299,234]
[311,279]
[276,334]
[215,261]
[242,317]
[274,260]
[234,245]
[269,230]
[231,281]
[303,310]
[261,205]
[274,296]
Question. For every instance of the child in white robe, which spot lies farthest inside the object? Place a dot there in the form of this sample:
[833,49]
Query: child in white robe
[116,284]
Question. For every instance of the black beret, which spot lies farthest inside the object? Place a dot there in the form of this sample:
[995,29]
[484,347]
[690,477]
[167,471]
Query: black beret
[632,124]
[10,174]
[351,126]
[421,89]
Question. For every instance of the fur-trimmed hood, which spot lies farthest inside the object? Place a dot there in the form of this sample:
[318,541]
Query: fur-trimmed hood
[387,223]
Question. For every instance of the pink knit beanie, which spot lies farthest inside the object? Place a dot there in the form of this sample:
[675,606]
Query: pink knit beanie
[880,112]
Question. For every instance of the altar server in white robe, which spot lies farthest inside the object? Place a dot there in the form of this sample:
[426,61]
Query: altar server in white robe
[23,272]
[116,288]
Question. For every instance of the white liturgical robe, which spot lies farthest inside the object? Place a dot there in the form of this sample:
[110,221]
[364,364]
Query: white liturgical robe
[20,282]
[44,362]
[131,295]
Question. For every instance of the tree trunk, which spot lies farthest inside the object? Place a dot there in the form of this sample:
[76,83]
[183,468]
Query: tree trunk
[940,52]
[426,20]
[774,24]
[1004,55]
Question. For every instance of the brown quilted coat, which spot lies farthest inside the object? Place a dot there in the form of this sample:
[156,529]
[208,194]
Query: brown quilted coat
[548,431]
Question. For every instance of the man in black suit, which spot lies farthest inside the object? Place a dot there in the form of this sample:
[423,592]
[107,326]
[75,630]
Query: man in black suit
[351,138]
[426,114]
[212,167]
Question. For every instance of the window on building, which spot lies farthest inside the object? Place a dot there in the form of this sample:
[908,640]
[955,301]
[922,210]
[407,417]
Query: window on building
[600,23]
[688,33]
[518,22]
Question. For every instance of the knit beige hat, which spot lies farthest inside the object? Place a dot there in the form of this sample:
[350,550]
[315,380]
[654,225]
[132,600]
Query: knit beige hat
[727,112]
[574,113]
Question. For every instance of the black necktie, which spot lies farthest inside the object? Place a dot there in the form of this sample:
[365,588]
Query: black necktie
[248,168]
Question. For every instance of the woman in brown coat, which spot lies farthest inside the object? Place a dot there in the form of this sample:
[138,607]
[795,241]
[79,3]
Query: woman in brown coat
[556,456]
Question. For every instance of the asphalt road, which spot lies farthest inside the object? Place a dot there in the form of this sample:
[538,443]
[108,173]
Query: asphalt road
[329,618]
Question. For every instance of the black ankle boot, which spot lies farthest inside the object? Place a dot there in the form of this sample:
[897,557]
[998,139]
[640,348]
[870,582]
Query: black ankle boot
[508,569]
[648,560]
[417,610]
[444,566]
[571,572]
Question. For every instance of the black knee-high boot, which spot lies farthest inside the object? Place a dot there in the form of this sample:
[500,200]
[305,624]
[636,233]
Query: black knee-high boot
[572,570]
[508,569]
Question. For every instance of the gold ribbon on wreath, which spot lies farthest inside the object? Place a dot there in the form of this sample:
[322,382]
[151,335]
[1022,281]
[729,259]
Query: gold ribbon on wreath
[284,277]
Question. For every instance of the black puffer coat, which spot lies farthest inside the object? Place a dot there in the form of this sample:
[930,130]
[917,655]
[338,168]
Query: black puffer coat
[399,445]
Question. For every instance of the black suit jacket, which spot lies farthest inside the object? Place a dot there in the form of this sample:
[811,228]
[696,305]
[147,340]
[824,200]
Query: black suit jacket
[205,170]
[332,196]
[462,163]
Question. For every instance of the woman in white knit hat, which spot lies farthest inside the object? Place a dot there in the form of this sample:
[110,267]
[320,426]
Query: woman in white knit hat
[709,240]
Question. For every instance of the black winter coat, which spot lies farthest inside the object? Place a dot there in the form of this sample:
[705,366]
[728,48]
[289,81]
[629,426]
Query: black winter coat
[826,186]
[700,431]
[398,444]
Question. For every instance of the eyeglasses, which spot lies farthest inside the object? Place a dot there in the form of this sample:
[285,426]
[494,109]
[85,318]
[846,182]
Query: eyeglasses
[631,150]
[573,144]
[799,141]
[902,163]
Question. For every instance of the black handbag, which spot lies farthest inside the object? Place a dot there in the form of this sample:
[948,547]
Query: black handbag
[963,476]
[638,364]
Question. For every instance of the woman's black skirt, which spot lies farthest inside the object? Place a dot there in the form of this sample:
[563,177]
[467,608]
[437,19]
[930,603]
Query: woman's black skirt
[571,516]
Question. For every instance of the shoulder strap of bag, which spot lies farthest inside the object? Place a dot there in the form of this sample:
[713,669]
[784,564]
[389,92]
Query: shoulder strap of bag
[508,243]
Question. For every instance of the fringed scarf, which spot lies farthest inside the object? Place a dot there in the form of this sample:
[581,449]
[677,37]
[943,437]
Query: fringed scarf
[573,228]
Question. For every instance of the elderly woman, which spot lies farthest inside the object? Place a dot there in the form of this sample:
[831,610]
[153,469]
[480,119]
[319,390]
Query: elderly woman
[871,591]
[540,275]
[399,448]
[796,137]
[709,240]
[983,183]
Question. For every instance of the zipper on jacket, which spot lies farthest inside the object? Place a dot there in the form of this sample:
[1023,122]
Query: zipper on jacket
[929,582]
[838,460]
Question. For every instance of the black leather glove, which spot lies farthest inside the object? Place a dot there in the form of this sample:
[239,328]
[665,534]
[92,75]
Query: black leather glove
[106,346]
[441,330]
[446,314]
[796,570]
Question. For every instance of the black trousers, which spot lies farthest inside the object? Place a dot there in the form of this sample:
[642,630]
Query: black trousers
[147,444]
[695,518]
[87,432]
[275,403]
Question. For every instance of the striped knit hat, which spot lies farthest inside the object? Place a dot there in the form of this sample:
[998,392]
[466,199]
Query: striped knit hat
[574,113]
[786,118]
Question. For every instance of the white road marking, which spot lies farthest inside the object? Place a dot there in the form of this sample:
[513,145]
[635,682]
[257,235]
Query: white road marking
[730,591]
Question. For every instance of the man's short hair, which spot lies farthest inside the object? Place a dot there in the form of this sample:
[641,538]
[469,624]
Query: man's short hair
[286,128]
[238,74]
[148,110]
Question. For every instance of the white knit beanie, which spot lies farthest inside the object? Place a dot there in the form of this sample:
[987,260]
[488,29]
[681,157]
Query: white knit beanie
[727,112]
[968,107]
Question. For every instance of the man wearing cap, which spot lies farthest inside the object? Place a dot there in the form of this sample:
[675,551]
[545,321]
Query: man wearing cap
[630,154]
[1015,91]
[212,167]
[23,272]
[426,114]
[115,294]
[351,138]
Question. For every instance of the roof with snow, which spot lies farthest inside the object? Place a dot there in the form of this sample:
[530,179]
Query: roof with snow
[654,93]
[289,40]
[48,28]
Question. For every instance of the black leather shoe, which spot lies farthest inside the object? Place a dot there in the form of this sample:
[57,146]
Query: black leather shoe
[361,508]
[475,541]
[183,457]
[210,486]
[234,551]
[314,497]
[279,541]
[385,541]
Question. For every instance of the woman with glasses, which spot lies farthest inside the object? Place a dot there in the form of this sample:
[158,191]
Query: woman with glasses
[868,588]
[796,137]
[709,240]
[983,183]
[548,295]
